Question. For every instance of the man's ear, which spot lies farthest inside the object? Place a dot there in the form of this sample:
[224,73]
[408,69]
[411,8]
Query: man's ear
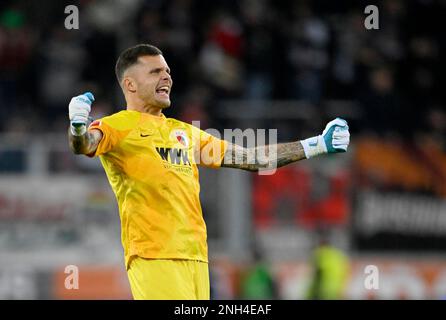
[129,84]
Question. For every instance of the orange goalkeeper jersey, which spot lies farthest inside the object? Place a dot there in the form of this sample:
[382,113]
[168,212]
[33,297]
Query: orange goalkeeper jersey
[151,164]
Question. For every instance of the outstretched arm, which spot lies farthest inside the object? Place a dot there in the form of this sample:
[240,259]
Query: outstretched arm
[335,138]
[81,140]
[263,157]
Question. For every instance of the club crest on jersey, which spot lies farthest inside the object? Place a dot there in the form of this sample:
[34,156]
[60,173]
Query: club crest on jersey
[180,137]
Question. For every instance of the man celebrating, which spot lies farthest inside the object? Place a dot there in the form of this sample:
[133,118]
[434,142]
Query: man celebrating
[151,164]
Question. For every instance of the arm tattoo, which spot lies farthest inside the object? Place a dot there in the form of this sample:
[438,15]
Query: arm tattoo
[263,157]
[86,143]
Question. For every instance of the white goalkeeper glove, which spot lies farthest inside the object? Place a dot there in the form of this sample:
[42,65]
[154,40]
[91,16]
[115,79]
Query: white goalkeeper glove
[334,138]
[79,110]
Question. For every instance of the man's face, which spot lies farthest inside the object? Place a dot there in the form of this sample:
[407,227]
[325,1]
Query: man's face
[152,80]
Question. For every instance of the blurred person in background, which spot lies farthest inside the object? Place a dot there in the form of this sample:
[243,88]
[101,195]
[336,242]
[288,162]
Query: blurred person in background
[258,282]
[151,163]
[17,42]
[308,56]
[382,105]
[330,269]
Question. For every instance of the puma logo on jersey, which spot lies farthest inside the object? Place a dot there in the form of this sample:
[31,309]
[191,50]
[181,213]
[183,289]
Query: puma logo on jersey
[174,155]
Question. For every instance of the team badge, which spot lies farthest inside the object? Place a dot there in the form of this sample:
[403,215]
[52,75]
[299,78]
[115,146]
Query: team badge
[180,136]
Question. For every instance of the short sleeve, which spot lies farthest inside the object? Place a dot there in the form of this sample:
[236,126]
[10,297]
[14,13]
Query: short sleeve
[110,137]
[212,150]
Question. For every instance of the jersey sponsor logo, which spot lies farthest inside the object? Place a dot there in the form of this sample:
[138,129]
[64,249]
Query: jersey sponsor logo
[174,155]
[180,136]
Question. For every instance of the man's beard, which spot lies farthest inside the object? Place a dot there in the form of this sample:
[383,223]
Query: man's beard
[152,101]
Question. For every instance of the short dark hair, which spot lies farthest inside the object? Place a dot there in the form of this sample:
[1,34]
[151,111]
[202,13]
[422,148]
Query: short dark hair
[130,56]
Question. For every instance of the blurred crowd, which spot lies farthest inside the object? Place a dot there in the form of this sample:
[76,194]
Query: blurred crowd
[251,51]
[305,52]
[309,51]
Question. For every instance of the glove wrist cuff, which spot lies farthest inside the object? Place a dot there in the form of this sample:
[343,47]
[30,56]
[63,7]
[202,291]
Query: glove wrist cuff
[78,129]
[314,146]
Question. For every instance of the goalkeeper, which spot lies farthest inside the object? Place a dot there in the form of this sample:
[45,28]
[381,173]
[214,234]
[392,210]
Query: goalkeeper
[151,163]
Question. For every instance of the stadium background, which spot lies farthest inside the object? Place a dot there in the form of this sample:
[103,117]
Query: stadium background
[286,65]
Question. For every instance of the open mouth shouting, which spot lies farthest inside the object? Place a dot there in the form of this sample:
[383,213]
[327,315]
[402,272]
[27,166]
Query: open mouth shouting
[163,91]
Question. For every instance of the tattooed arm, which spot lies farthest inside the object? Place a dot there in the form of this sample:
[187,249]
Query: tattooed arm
[334,139]
[86,143]
[263,157]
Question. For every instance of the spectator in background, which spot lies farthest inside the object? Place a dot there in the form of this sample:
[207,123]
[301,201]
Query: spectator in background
[16,49]
[382,106]
[349,33]
[259,47]
[310,50]
[61,70]
[149,26]
[330,271]
[308,53]
[258,282]
[220,56]
[179,42]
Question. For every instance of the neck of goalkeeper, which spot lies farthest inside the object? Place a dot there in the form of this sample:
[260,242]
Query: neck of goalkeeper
[135,103]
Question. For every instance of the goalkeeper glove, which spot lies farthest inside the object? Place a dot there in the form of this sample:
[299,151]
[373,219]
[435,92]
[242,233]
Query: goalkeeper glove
[79,110]
[335,138]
